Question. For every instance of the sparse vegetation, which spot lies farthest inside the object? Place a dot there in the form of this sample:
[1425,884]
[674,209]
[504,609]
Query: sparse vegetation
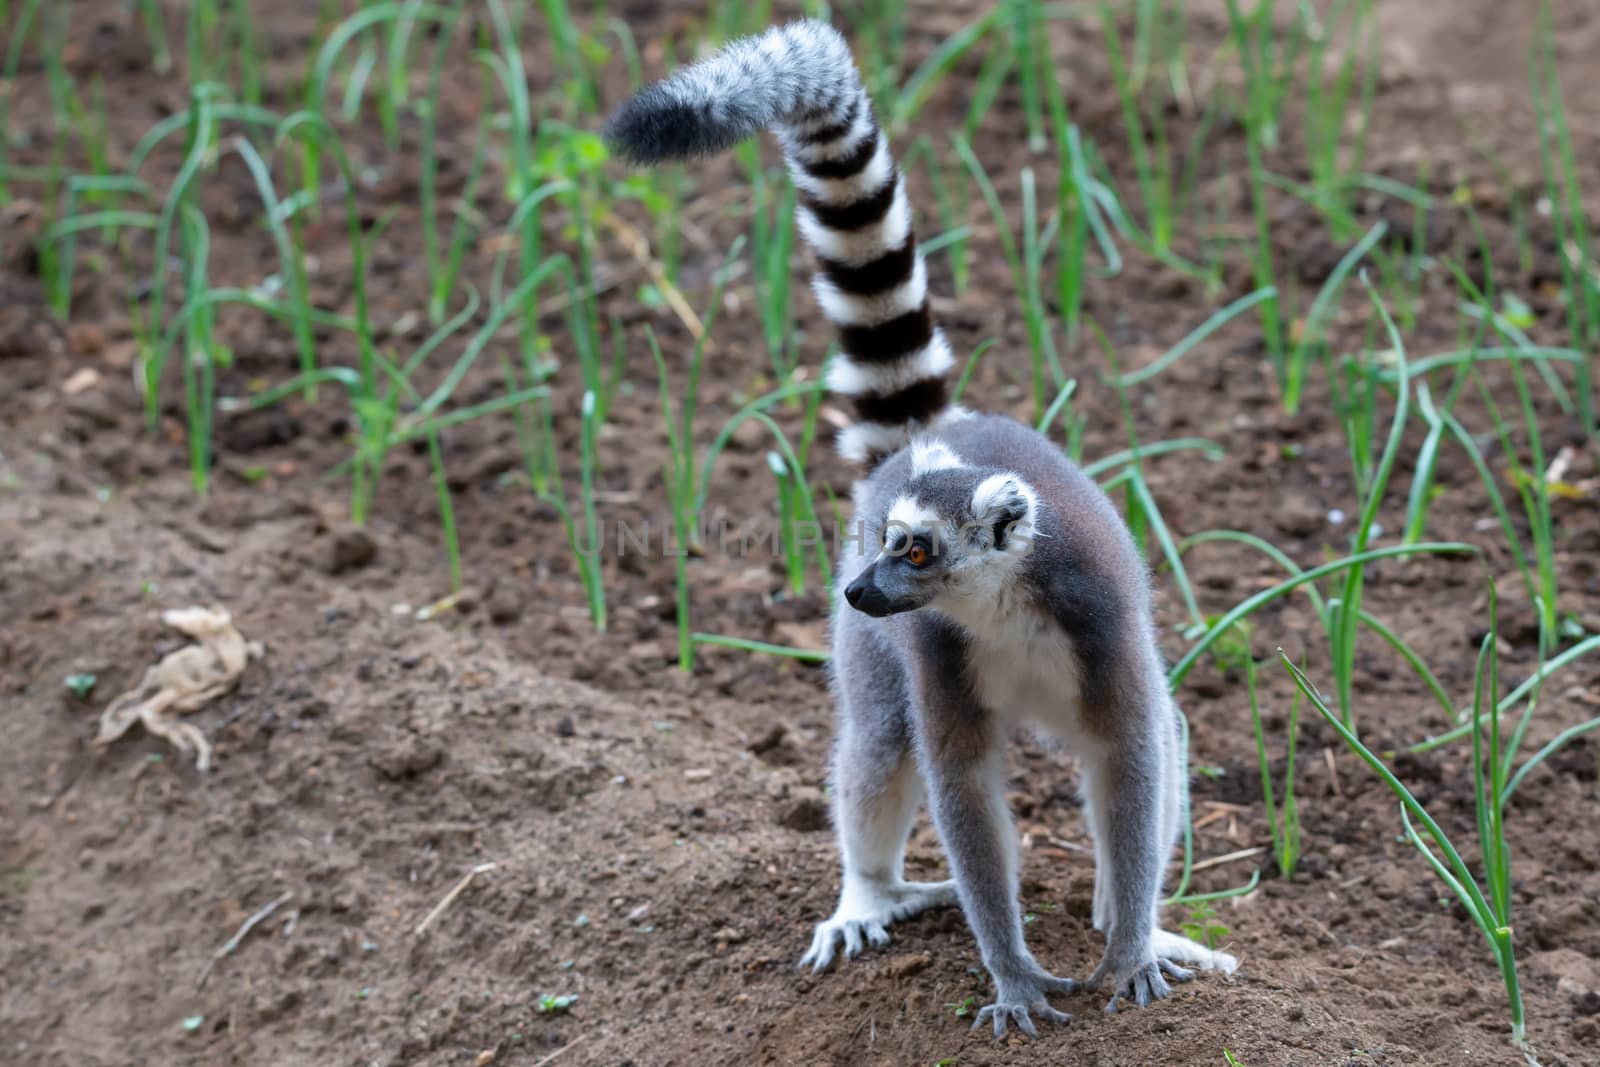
[403,264]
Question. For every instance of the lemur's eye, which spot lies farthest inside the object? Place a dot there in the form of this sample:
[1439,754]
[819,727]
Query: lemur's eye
[917,555]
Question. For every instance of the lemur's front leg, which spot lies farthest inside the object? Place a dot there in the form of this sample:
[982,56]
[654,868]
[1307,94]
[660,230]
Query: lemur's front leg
[964,767]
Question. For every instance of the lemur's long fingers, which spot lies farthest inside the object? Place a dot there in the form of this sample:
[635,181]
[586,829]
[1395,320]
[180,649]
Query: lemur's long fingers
[1002,1014]
[1148,985]
[820,954]
[989,1012]
[1144,985]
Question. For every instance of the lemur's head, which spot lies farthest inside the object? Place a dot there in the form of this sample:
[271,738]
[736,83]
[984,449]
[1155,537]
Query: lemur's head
[953,532]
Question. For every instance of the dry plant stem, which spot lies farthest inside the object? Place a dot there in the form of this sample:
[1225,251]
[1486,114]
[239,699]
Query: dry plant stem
[1232,857]
[574,1043]
[639,248]
[239,935]
[184,680]
[450,897]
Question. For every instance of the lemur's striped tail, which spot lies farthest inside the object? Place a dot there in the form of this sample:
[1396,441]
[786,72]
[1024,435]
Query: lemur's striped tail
[801,82]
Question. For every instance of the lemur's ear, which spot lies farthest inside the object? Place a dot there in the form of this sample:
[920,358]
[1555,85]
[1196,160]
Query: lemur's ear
[1003,508]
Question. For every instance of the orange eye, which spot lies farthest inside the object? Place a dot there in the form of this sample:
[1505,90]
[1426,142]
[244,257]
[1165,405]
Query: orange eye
[917,555]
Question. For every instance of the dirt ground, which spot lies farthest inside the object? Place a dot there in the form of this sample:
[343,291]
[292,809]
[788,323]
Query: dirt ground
[660,842]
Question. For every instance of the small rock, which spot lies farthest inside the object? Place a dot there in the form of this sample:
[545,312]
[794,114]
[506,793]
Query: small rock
[120,356]
[906,966]
[1392,884]
[81,381]
[649,651]
[748,436]
[1575,973]
[808,815]
[504,606]
[1298,516]
[353,548]
[697,774]
[485,1058]
[407,759]
[566,727]
[86,338]
[1516,615]
[769,740]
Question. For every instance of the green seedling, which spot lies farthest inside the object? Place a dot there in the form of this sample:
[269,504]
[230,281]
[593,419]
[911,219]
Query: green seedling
[322,62]
[805,655]
[1332,100]
[1203,926]
[155,28]
[1263,97]
[1490,911]
[1143,514]
[1284,817]
[553,1004]
[771,249]
[922,82]
[1026,270]
[1152,156]
[964,1007]
[1580,270]
[680,475]
[1532,486]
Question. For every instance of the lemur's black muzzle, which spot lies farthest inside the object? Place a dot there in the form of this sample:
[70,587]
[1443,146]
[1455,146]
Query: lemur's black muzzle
[865,595]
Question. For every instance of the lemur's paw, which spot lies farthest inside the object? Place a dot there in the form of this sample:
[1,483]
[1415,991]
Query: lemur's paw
[1019,1005]
[1142,983]
[864,913]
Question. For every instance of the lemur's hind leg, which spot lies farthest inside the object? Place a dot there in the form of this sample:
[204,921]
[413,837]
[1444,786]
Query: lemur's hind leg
[1175,809]
[1172,802]
[1094,816]
[1134,799]
[876,793]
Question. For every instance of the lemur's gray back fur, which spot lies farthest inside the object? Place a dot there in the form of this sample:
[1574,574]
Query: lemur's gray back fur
[800,81]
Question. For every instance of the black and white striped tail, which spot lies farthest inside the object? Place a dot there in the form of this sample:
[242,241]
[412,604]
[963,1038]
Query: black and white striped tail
[801,82]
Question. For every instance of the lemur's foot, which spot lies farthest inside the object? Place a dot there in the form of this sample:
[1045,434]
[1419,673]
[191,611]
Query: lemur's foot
[865,910]
[1143,982]
[1019,1001]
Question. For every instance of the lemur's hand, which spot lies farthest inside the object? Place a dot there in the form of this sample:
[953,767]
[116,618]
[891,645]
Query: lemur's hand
[1018,998]
[1140,979]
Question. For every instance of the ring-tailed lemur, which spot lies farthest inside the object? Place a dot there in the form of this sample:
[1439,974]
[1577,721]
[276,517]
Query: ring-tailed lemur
[1006,590]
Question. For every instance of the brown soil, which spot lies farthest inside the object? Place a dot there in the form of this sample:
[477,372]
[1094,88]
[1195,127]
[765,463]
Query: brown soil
[660,841]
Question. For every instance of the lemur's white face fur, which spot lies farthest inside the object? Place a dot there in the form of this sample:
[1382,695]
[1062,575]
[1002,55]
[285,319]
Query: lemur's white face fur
[953,532]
